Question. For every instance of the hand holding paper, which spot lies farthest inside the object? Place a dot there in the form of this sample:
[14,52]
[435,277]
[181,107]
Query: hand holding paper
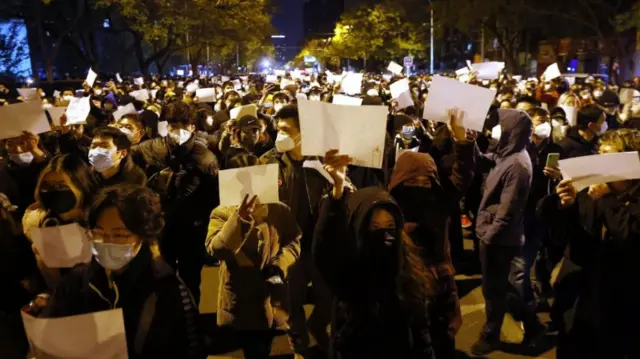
[78,110]
[261,181]
[596,169]
[239,112]
[552,72]
[395,68]
[91,77]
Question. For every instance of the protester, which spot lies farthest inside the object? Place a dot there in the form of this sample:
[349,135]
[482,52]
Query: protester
[132,127]
[245,137]
[109,157]
[581,139]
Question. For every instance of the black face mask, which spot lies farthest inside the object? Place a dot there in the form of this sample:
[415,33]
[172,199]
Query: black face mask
[383,251]
[58,201]
[416,203]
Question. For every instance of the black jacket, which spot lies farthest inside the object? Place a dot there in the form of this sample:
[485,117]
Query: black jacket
[541,185]
[129,173]
[86,289]
[506,191]
[573,145]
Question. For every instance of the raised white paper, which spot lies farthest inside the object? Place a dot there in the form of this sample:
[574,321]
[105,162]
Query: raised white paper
[224,78]
[78,110]
[286,82]
[279,72]
[239,112]
[357,131]
[163,129]
[56,93]
[91,77]
[25,116]
[628,95]
[352,84]
[346,100]
[99,335]
[571,114]
[473,102]
[153,93]
[488,70]
[552,72]
[118,77]
[138,81]
[463,71]
[394,68]
[272,79]
[61,246]
[596,169]
[28,94]
[124,110]
[237,84]
[256,180]
[192,87]
[140,95]
[400,92]
[317,165]
[55,113]
[206,95]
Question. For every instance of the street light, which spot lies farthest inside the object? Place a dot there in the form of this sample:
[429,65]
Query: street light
[266,63]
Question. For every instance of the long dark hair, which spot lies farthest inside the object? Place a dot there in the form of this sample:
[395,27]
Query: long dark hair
[78,172]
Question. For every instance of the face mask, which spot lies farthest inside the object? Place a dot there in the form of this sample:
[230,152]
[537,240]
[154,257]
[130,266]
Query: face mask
[113,256]
[547,87]
[555,123]
[21,159]
[543,130]
[597,94]
[408,131]
[277,107]
[314,98]
[216,107]
[67,98]
[284,143]
[268,105]
[101,159]
[496,133]
[97,92]
[180,137]
[209,121]
[58,201]
[603,128]
[130,135]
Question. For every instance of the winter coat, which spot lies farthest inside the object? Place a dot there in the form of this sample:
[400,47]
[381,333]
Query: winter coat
[129,173]
[573,145]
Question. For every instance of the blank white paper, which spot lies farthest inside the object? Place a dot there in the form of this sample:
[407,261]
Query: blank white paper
[256,180]
[596,169]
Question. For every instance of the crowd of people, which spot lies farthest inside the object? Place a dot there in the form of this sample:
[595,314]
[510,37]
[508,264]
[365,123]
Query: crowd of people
[378,246]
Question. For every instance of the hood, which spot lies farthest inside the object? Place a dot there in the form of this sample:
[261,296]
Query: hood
[111,98]
[360,207]
[516,132]
[411,165]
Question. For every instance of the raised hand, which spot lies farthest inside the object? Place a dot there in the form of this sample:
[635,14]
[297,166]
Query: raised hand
[336,166]
[245,210]
[567,192]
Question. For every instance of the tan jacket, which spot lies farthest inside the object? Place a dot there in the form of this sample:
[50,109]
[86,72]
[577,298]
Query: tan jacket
[245,300]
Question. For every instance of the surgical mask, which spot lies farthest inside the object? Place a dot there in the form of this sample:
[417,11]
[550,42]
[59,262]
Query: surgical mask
[597,94]
[496,133]
[67,98]
[586,96]
[408,131]
[97,92]
[130,134]
[216,107]
[209,121]
[284,143]
[277,107]
[180,137]
[603,128]
[42,94]
[58,201]
[268,105]
[101,158]
[543,130]
[547,87]
[21,159]
[113,256]
[555,123]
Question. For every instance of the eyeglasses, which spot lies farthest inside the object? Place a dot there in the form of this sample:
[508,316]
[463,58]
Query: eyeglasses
[116,237]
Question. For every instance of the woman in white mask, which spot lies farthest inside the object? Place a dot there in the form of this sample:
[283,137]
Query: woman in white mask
[128,273]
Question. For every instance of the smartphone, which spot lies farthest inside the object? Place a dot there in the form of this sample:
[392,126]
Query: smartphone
[552,160]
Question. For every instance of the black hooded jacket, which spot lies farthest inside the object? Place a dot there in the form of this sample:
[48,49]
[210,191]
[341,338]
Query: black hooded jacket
[506,191]
[365,323]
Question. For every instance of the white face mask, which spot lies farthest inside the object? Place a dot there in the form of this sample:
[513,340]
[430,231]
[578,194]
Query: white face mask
[597,94]
[268,105]
[101,159]
[21,159]
[543,130]
[130,135]
[209,120]
[97,92]
[67,98]
[547,87]
[277,107]
[216,107]
[496,133]
[555,123]
[113,256]
[180,137]
[284,143]
[314,98]
[603,128]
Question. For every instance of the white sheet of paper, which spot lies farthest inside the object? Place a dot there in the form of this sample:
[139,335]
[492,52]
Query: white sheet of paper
[469,65]
[400,92]
[206,95]
[20,117]
[153,93]
[571,80]
[237,84]
[56,113]
[91,77]
[28,94]
[488,70]
[596,169]
[463,71]
[627,95]
[346,100]
[140,95]
[317,165]
[78,110]
[192,87]
[62,246]
[286,82]
[473,101]
[386,77]
[99,335]
[295,74]
[352,84]
[118,77]
[552,72]
[138,81]
[180,84]
[394,68]
[124,110]
[225,78]
[56,93]
[544,106]
[163,128]
[572,114]
[464,78]
[239,112]
[279,72]
[256,180]
[357,131]
[272,79]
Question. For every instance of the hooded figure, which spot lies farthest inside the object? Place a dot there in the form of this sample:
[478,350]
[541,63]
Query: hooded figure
[378,279]
[500,229]
[427,203]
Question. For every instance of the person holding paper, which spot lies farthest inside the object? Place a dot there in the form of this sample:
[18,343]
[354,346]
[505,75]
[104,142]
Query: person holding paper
[380,283]
[258,244]
[127,271]
[65,187]
[499,227]
[547,91]
[109,157]
[602,224]
[581,140]
[301,189]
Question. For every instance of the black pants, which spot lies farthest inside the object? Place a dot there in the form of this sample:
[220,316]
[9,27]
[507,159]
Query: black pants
[256,344]
[502,287]
[183,249]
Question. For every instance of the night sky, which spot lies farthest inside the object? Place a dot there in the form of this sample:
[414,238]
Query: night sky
[288,20]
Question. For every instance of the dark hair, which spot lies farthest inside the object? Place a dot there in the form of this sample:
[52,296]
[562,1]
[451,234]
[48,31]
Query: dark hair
[133,117]
[242,160]
[624,139]
[177,112]
[538,112]
[118,137]
[289,112]
[528,99]
[282,96]
[588,114]
[139,208]
[79,174]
